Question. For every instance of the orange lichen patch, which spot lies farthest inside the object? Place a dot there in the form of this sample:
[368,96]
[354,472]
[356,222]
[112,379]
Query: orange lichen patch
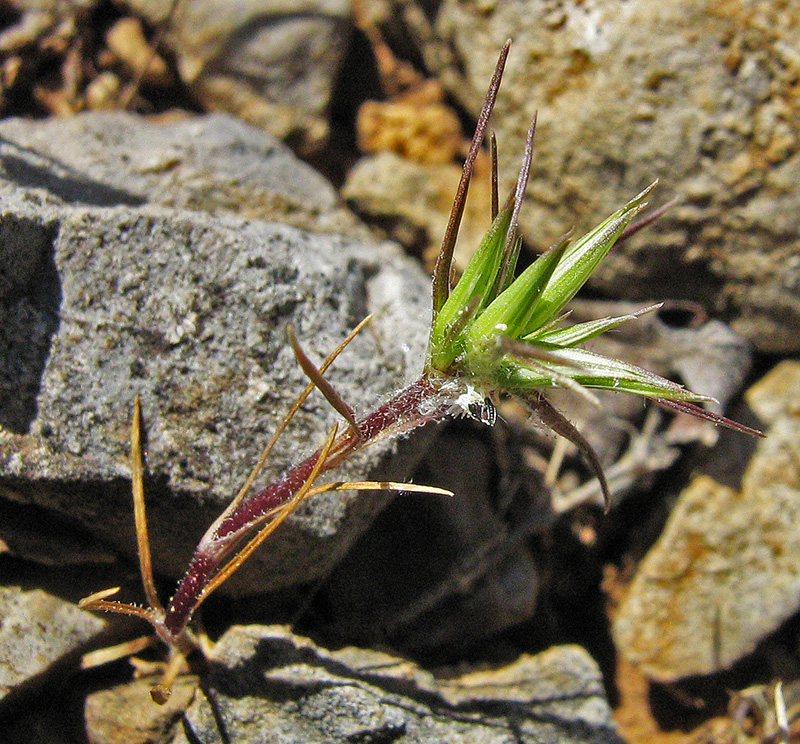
[414,122]
[687,559]
[426,132]
[724,572]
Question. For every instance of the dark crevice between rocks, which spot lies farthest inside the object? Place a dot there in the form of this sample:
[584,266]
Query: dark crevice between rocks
[686,704]
[78,516]
[357,81]
[30,302]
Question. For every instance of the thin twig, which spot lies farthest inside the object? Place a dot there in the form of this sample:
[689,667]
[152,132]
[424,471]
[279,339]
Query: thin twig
[133,89]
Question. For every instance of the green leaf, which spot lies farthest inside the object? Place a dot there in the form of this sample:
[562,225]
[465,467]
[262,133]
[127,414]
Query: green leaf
[580,332]
[509,312]
[476,281]
[580,261]
[592,371]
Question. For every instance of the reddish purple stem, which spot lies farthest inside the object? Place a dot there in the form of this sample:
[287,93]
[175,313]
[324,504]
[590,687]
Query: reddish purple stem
[414,406]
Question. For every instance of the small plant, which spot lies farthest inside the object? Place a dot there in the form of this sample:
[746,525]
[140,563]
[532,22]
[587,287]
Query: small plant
[491,334]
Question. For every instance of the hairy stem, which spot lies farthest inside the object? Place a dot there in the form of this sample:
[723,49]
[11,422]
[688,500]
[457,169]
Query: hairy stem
[425,400]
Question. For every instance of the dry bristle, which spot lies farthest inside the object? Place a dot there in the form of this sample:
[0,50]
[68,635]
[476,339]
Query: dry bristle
[120,608]
[113,653]
[441,274]
[140,517]
[683,406]
[313,374]
[227,571]
[377,486]
[92,599]
[262,460]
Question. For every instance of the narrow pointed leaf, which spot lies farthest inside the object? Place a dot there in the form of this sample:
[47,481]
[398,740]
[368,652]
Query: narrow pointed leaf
[441,275]
[508,264]
[645,221]
[494,178]
[543,378]
[509,312]
[596,371]
[476,281]
[580,261]
[683,406]
[453,343]
[313,374]
[532,354]
[580,332]
[561,425]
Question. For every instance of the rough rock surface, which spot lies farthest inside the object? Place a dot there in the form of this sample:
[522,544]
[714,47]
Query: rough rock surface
[244,58]
[266,684]
[414,200]
[724,572]
[37,630]
[701,95]
[214,164]
[104,295]
[126,714]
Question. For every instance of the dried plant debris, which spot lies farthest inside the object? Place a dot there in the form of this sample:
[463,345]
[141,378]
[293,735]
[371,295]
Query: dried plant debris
[72,57]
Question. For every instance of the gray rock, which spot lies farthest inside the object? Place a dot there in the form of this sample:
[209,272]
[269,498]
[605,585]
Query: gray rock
[269,685]
[190,311]
[273,64]
[724,572]
[621,102]
[38,630]
[215,164]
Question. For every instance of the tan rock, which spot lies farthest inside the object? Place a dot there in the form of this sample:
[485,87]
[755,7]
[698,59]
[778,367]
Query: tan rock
[126,714]
[724,572]
[414,199]
[127,41]
[272,64]
[38,630]
[621,102]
